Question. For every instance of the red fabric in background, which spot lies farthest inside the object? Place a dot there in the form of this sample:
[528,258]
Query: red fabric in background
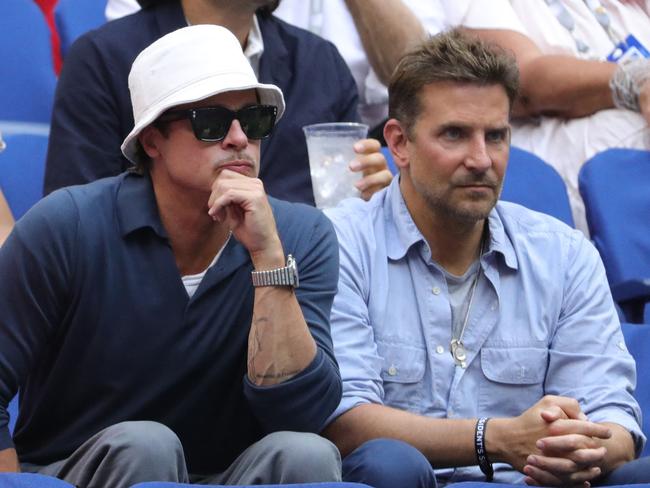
[47,6]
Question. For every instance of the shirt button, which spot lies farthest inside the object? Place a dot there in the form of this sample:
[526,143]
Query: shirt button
[621,346]
[392,371]
[436,290]
[493,307]
[440,349]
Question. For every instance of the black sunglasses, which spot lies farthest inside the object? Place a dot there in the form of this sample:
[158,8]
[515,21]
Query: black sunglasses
[211,124]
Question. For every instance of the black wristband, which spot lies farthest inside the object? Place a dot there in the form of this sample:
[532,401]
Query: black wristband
[481,454]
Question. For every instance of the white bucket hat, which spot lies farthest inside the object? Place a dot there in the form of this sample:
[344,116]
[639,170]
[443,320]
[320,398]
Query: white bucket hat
[188,65]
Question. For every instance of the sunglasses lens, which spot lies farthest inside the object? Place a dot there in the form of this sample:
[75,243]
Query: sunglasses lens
[257,121]
[211,124]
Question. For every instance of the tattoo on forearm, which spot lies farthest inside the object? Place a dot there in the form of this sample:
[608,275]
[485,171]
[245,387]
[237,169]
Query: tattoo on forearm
[255,348]
[282,375]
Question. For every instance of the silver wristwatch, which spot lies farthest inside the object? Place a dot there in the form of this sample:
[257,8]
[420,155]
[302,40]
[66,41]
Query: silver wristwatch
[287,276]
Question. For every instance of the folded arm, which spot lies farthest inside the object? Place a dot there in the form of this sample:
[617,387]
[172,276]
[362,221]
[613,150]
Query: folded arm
[556,85]
[387,29]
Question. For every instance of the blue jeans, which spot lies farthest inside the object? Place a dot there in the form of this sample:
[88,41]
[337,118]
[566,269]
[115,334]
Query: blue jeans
[388,463]
[637,471]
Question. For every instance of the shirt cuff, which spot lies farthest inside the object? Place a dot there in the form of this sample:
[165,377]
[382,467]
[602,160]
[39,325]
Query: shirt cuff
[301,403]
[628,422]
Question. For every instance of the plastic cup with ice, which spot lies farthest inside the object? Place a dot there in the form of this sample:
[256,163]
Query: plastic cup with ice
[330,148]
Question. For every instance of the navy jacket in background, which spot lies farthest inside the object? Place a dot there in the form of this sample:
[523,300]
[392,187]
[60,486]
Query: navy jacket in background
[92,108]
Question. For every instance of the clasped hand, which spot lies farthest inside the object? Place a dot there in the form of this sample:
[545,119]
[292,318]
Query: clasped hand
[567,446]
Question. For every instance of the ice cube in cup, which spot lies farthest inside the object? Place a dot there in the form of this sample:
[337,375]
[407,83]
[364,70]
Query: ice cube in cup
[330,148]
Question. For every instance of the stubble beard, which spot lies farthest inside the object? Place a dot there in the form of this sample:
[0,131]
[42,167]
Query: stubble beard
[442,204]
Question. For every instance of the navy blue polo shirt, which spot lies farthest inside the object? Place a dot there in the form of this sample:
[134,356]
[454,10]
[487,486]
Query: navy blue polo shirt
[96,328]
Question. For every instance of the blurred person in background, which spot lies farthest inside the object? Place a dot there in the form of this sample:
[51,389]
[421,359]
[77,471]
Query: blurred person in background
[92,109]
[371,35]
[584,82]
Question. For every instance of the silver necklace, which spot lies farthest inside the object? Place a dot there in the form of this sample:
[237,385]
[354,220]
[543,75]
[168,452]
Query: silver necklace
[456,345]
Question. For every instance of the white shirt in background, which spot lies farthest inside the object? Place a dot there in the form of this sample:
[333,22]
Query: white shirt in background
[568,144]
[119,8]
[332,20]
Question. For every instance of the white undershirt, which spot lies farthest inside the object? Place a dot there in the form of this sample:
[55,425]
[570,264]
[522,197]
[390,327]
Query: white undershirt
[192,282]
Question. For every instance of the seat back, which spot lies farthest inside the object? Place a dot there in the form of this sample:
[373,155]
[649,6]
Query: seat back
[531,182]
[76,17]
[22,166]
[332,484]
[27,78]
[637,339]
[31,480]
[615,185]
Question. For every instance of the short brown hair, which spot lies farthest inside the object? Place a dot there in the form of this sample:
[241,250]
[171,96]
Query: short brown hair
[143,162]
[449,56]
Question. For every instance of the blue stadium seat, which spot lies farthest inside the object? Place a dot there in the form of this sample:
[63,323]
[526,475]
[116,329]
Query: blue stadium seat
[27,77]
[637,339]
[27,480]
[530,182]
[22,166]
[533,183]
[614,186]
[160,484]
[76,17]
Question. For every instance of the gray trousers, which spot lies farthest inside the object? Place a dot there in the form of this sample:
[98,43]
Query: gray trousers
[132,452]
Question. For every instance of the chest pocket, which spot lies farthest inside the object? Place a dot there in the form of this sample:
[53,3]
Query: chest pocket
[513,379]
[402,373]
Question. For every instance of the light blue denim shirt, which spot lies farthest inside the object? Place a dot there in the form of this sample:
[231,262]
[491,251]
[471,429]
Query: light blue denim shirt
[542,322]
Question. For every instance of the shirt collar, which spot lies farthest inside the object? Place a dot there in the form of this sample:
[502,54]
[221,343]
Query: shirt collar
[136,205]
[402,233]
[254,46]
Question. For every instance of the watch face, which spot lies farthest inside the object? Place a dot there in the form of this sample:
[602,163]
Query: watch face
[293,269]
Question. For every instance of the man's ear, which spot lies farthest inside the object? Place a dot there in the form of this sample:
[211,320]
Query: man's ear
[148,138]
[396,140]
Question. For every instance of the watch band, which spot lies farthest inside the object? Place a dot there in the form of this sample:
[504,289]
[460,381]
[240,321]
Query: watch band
[286,276]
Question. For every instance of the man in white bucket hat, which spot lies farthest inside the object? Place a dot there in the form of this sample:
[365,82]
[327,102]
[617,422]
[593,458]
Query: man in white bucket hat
[92,113]
[155,322]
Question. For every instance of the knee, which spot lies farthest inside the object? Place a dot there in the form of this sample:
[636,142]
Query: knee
[145,441]
[387,463]
[305,457]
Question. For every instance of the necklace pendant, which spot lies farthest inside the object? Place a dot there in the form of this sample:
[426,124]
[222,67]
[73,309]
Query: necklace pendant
[458,353]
